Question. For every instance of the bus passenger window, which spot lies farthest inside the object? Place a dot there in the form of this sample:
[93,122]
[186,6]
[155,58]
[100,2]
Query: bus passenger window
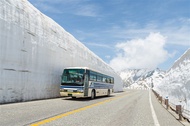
[112,80]
[92,77]
[104,79]
[99,78]
[108,80]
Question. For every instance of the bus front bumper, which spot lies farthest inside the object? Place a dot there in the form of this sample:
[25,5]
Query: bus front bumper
[71,94]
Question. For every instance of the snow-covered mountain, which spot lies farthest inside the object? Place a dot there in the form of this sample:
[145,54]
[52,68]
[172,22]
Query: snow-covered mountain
[141,78]
[176,84]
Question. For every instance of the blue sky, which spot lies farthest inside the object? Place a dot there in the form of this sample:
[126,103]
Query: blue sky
[126,33]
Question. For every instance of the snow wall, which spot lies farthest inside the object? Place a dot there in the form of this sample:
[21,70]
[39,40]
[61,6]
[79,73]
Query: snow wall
[176,84]
[34,50]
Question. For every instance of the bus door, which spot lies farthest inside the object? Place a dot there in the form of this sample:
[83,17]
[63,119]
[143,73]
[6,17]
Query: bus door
[86,79]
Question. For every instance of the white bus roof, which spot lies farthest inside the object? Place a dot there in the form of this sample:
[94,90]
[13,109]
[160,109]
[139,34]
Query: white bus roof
[76,68]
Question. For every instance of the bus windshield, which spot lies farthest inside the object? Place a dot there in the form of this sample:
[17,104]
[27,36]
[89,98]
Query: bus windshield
[73,77]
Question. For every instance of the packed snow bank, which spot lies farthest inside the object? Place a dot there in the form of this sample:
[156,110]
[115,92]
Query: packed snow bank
[34,50]
[176,84]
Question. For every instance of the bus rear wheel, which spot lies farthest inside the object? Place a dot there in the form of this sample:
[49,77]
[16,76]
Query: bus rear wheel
[93,94]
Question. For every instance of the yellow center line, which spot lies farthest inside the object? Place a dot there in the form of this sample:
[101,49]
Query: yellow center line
[74,111]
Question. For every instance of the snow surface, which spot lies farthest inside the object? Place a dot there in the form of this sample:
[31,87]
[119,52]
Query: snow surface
[34,50]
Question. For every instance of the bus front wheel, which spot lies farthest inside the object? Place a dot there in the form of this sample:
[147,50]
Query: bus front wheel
[93,95]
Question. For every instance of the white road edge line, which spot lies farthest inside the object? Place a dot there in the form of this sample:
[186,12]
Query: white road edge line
[156,123]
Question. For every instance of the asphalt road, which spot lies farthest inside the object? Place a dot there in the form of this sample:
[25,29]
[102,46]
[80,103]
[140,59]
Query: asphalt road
[129,108]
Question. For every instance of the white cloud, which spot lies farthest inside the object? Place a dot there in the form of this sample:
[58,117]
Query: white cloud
[87,10]
[140,53]
[47,8]
[76,7]
[107,56]
[176,30]
[98,45]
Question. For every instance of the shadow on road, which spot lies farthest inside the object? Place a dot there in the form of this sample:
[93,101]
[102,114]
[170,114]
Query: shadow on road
[86,98]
